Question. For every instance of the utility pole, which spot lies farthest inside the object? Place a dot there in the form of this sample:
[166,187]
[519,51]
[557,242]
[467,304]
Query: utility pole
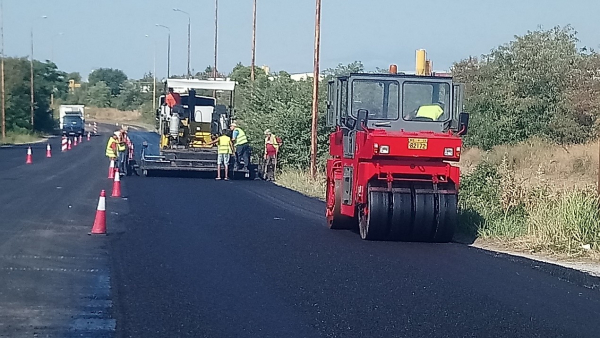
[315,101]
[32,103]
[189,41]
[216,43]
[2,70]
[253,63]
[216,37]
[31,81]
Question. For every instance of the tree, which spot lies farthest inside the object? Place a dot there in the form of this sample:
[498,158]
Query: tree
[522,89]
[113,78]
[74,76]
[130,97]
[99,95]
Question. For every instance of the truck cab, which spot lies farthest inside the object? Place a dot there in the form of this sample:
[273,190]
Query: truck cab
[72,126]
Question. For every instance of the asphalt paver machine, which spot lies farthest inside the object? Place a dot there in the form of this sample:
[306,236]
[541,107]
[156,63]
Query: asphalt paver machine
[390,171]
[185,133]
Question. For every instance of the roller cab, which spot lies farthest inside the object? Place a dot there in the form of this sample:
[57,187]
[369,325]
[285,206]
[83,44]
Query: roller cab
[391,171]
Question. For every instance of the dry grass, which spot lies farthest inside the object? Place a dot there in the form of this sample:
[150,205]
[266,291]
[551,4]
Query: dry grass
[112,115]
[17,138]
[301,181]
[537,163]
[546,198]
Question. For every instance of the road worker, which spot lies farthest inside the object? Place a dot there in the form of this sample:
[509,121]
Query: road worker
[173,100]
[111,146]
[271,152]
[225,149]
[121,150]
[433,111]
[242,148]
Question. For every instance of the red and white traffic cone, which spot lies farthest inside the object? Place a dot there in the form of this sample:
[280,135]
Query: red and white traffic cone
[75,141]
[69,145]
[99,227]
[95,129]
[29,159]
[111,169]
[48,151]
[80,138]
[89,136]
[63,144]
[116,191]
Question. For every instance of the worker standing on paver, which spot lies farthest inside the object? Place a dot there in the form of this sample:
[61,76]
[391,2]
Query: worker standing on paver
[225,149]
[111,146]
[173,100]
[271,152]
[242,148]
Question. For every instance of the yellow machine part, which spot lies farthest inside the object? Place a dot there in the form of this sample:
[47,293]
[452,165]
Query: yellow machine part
[421,62]
[202,136]
[424,66]
[164,141]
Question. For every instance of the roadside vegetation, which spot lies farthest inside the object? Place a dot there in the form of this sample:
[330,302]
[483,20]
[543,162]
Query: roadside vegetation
[530,165]
[530,160]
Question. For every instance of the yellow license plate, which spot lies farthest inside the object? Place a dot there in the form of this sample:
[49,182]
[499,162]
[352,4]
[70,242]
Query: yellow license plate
[417,143]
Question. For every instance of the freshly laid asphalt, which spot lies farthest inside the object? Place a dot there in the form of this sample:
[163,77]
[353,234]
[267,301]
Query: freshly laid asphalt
[190,256]
[206,258]
[54,277]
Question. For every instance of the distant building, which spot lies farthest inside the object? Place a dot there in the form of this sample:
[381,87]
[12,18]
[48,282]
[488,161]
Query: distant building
[304,76]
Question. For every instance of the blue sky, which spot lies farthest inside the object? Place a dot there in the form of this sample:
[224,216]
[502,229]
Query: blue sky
[111,33]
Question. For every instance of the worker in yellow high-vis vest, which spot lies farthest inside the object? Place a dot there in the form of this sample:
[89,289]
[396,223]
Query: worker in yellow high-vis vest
[224,151]
[111,146]
[242,147]
[433,112]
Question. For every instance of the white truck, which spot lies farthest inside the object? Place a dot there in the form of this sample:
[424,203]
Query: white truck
[71,110]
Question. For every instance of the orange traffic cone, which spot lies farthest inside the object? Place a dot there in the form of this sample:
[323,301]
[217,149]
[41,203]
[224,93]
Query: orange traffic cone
[111,169]
[69,144]
[99,227]
[88,138]
[80,138]
[116,191]
[29,159]
[48,151]
[75,141]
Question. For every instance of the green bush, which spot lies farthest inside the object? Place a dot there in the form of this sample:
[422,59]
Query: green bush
[481,212]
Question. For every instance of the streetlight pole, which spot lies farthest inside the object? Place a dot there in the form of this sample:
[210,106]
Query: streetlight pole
[2,70]
[253,63]
[189,37]
[153,75]
[31,80]
[169,50]
[315,101]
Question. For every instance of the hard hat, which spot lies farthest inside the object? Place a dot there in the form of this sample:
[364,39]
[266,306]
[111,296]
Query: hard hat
[117,133]
[233,124]
[267,132]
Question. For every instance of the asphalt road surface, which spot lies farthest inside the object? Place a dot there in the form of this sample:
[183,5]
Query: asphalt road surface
[54,278]
[193,257]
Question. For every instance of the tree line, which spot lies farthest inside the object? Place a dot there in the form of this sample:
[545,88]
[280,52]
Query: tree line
[538,85]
